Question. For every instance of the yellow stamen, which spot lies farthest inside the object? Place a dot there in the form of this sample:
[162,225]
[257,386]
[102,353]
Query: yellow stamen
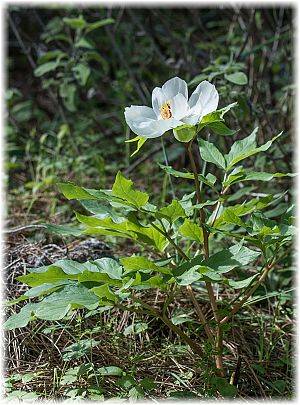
[165,110]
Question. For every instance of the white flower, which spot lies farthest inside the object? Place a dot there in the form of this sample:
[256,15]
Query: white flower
[171,108]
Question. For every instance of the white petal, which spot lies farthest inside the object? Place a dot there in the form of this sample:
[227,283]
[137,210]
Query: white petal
[158,99]
[138,117]
[192,119]
[174,122]
[205,97]
[139,113]
[179,106]
[143,122]
[174,86]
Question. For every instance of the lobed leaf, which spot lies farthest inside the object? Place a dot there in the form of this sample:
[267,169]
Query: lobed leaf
[122,189]
[137,263]
[191,230]
[245,148]
[172,212]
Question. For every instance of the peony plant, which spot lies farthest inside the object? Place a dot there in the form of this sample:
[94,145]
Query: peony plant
[178,252]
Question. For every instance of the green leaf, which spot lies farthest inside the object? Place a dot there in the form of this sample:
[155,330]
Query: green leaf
[109,266]
[75,23]
[69,266]
[195,261]
[221,129]
[283,293]
[210,153]
[136,393]
[56,305]
[110,370]
[225,389]
[84,43]
[230,217]
[215,117]
[191,230]
[172,212]
[46,68]
[240,175]
[101,210]
[138,263]
[237,78]
[189,276]
[71,375]
[52,275]
[242,283]
[23,111]
[148,383]
[263,176]
[125,229]
[146,281]
[185,133]
[79,349]
[67,92]
[122,189]
[98,24]
[64,229]
[182,316]
[73,192]
[205,204]
[21,319]
[55,54]
[44,289]
[140,142]
[228,259]
[186,175]
[245,148]
[154,236]
[126,381]
[104,291]
[22,395]
[107,226]
[81,73]
[135,328]
[94,278]
[241,148]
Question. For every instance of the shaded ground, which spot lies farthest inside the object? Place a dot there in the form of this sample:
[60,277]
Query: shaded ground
[257,349]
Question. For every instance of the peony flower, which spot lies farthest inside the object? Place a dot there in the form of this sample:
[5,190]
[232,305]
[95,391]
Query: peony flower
[171,108]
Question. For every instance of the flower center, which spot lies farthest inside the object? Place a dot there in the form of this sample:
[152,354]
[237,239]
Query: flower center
[165,110]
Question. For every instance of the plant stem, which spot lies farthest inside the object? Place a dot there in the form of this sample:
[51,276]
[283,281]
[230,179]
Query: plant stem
[199,199]
[223,191]
[149,310]
[199,311]
[189,288]
[254,288]
[219,337]
[178,248]
[193,345]
[238,305]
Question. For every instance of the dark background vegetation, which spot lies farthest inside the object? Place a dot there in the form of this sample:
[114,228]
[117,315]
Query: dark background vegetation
[65,123]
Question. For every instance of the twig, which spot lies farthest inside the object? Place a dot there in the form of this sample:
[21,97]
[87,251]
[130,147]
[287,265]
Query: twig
[25,227]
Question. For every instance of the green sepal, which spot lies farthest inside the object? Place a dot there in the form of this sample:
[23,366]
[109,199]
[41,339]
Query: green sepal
[140,142]
[185,133]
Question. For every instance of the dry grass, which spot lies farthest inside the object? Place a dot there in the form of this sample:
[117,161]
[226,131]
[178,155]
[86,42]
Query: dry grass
[258,353]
